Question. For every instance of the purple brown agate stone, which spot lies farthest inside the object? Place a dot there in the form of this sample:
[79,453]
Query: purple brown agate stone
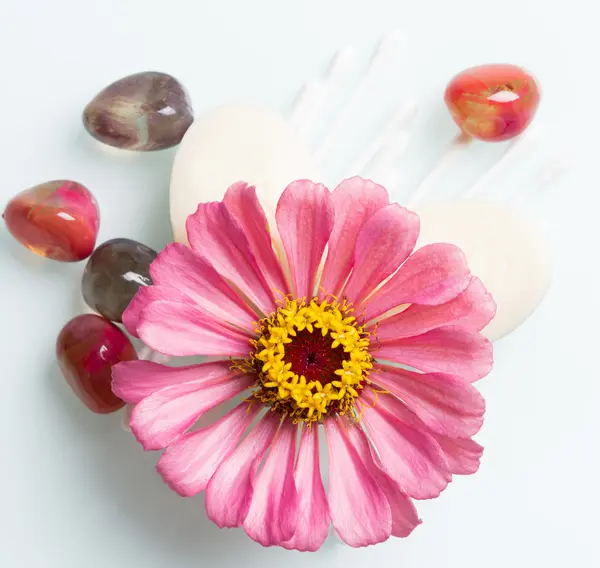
[146,111]
[114,273]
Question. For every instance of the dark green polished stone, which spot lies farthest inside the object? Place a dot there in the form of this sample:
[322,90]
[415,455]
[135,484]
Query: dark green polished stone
[114,273]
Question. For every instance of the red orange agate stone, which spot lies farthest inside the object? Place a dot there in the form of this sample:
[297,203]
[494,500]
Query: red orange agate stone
[493,102]
[57,219]
[86,349]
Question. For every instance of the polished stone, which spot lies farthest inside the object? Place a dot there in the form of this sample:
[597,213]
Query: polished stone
[57,219]
[145,111]
[87,348]
[493,102]
[114,273]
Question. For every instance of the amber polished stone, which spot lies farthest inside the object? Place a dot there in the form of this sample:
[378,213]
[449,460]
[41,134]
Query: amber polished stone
[87,348]
[57,219]
[493,102]
[145,111]
[113,275]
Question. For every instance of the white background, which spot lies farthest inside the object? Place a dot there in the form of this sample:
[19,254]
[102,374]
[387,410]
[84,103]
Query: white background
[76,491]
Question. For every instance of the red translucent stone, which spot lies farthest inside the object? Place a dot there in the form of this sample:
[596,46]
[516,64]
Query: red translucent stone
[493,102]
[87,347]
[57,219]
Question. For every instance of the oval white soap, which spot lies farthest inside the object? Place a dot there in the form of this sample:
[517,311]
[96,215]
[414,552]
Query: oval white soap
[231,143]
[503,248]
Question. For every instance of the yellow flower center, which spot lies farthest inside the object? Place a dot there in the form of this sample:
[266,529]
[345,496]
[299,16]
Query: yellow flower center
[311,358]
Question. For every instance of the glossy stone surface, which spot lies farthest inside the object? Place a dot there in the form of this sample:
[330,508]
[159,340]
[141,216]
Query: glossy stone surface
[87,348]
[145,111]
[58,220]
[113,275]
[493,102]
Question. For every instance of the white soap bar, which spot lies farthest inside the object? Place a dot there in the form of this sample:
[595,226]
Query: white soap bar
[503,248]
[235,142]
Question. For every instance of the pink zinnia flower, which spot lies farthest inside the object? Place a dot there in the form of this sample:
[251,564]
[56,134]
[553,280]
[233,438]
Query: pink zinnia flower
[333,323]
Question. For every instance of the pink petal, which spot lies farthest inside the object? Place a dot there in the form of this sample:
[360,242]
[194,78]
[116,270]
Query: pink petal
[312,524]
[448,405]
[135,380]
[229,492]
[188,464]
[355,200]
[462,454]
[404,513]
[144,297]
[384,242]
[409,455]
[242,202]
[182,330]
[451,350]
[273,512]
[360,511]
[215,234]
[164,416]
[305,216]
[433,275]
[180,267]
[472,309]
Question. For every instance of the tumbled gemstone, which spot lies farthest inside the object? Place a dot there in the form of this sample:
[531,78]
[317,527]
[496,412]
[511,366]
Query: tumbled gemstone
[113,275]
[87,348]
[57,219]
[493,102]
[145,111]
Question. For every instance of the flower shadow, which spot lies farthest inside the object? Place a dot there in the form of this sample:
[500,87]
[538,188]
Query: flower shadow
[176,526]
